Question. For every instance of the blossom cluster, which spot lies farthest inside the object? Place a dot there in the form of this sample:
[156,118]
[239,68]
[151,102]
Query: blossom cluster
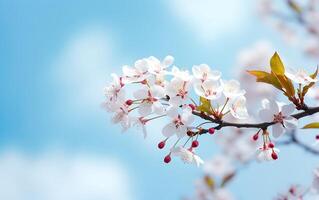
[156,91]
[299,26]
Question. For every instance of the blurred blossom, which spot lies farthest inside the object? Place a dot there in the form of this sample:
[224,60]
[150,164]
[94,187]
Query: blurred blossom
[255,57]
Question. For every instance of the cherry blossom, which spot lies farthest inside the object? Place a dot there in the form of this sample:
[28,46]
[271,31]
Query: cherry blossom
[300,76]
[157,67]
[178,91]
[114,93]
[272,112]
[203,72]
[266,153]
[238,108]
[180,121]
[231,89]
[121,116]
[187,156]
[137,73]
[181,74]
[150,97]
[219,166]
[295,192]
[210,89]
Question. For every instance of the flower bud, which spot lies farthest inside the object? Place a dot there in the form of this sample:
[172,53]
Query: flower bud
[129,102]
[256,136]
[317,137]
[192,106]
[161,145]
[271,145]
[274,156]
[167,158]
[195,144]
[211,131]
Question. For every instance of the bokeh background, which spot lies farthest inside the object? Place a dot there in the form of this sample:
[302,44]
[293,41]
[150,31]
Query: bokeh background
[57,143]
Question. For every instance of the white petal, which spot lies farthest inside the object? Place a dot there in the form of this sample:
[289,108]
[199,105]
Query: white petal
[145,109]
[176,101]
[158,108]
[181,131]
[157,91]
[273,105]
[290,122]
[168,60]
[266,115]
[141,93]
[277,130]
[169,130]
[288,109]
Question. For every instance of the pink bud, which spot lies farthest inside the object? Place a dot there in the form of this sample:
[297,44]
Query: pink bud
[161,145]
[274,156]
[271,145]
[255,137]
[129,102]
[195,144]
[211,131]
[167,158]
[192,106]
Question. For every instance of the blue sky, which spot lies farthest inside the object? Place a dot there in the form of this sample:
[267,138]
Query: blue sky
[56,56]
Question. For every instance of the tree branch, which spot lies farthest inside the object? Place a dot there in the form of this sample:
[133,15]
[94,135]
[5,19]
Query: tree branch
[264,125]
[294,140]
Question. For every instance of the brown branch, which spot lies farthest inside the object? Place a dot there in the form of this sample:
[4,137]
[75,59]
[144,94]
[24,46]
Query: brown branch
[294,140]
[264,125]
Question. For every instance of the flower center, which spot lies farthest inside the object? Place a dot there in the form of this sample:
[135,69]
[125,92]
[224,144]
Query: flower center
[279,118]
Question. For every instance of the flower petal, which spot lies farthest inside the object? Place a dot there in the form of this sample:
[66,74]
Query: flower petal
[277,130]
[169,130]
[288,109]
[290,122]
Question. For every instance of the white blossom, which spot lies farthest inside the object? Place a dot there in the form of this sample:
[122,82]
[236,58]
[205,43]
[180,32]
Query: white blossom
[272,112]
[209,89]
[178,91]
[300,76]
[150,97]
[232,89]
[138,73]
[187,156]
[203,72]
[265,153]
[181,119]
[238,108]
[219,166]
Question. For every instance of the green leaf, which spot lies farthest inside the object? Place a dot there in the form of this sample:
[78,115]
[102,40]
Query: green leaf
[266,77]
[205,105]
[209,182]
[287,84]
[295,7]
[276,65]
[306,87]
[311,125]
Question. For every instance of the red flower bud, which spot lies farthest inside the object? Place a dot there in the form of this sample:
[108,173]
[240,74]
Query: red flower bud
[129,102]
[211,131]
[274,156]
[192,106]
[161,145]
[255,137]
[317,137]
[195,144]
[167,158]
[271,145]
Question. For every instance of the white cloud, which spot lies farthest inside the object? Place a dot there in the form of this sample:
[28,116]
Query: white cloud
[83,67]
[58,177]
[210,19]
